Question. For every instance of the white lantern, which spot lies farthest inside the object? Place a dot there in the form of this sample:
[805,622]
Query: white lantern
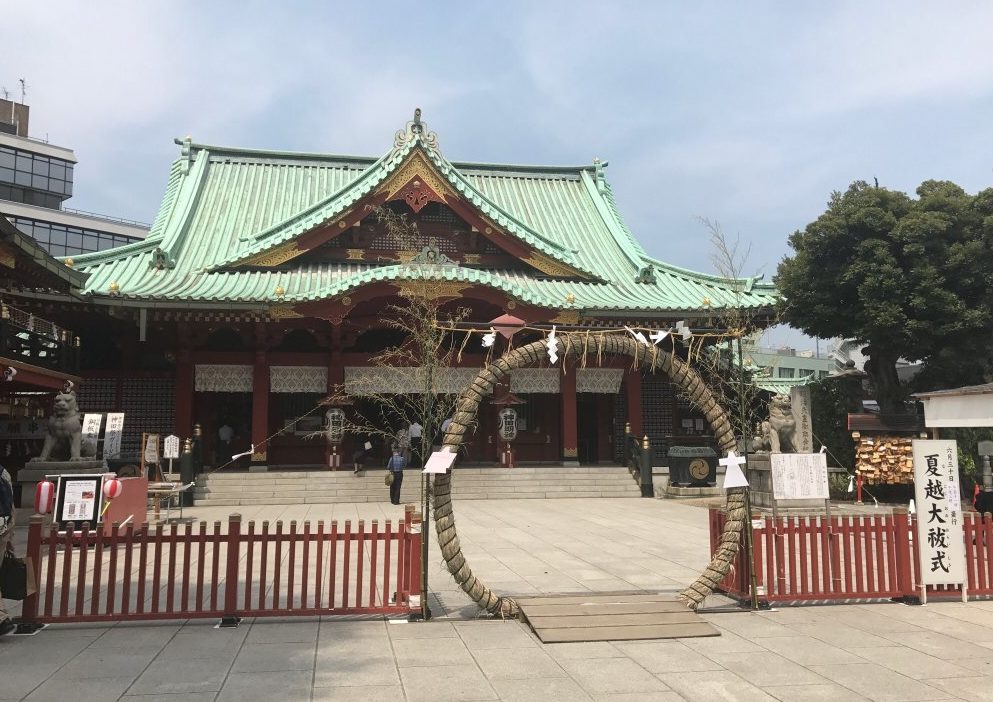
[336,425]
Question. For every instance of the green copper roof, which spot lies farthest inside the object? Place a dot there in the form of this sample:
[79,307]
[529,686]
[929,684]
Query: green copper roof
[782,386]
[224,204]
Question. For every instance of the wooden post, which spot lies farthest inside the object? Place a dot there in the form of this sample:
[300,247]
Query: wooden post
[570,420]
[231,618]
[185,388]
[632,393]
[28,622]
[260,411]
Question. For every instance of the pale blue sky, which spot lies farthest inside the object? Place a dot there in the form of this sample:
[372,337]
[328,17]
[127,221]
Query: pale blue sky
[748,114]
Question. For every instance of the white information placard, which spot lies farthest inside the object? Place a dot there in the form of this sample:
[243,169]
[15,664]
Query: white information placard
[79,500]
[170,447]
[439,462]
[112,437]
[91,427]
[939,513]
[799,476]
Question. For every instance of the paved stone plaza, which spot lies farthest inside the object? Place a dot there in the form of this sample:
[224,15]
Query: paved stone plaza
[852,652]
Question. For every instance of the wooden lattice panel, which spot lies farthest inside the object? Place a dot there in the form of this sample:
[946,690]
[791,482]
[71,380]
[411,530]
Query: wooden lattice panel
[657,413]
[149,405]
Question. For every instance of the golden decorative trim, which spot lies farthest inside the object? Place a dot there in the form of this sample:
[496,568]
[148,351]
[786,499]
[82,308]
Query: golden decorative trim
[471,258]
[342,224]
[114,287]
[568,317]
[406,256]
[570,452]
[355,254]
[282,312]
[69,262]
[258,457]
[273,257]
[416,166]
[511,305]
[280,291]
[346,301]
[488,230]
[549,265]
[7,258]
[432,290]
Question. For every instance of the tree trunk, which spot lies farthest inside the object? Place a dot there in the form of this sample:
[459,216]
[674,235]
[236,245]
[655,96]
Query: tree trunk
[889,391]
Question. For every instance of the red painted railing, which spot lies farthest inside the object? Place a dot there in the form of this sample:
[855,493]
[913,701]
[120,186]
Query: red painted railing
[806,559]
[187,571]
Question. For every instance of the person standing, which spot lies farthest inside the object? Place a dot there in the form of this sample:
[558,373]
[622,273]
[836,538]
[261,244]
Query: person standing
[396,464]
[415,442]
[6,536]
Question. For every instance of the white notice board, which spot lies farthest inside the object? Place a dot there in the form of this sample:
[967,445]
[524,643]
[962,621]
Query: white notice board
[939,513]
[799,476]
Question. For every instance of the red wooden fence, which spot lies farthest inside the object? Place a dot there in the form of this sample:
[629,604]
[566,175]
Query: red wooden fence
[805,559]
[187,571]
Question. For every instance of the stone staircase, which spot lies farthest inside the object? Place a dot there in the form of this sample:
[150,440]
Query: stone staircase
[326,487]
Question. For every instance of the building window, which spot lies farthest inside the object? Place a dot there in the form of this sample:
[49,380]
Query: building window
[60,240]
[44,181]
[787,372]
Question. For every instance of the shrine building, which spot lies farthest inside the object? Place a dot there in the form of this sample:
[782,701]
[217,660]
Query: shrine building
[261,288]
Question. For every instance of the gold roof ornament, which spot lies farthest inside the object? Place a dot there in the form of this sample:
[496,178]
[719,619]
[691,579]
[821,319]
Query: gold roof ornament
[68,262]
[114,288]
[280,291]
[570,298]
[706,302]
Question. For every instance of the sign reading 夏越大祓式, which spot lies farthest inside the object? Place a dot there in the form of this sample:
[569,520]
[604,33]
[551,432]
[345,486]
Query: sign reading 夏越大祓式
[939,515]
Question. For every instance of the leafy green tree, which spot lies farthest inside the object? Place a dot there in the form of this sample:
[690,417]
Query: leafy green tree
[907,277]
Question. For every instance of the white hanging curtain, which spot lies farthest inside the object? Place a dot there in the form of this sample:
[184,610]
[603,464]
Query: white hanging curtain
[222,378]
[287,379]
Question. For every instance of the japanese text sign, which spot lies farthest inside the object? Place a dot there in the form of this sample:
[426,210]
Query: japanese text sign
[112,437]
[799,476]
[939,512]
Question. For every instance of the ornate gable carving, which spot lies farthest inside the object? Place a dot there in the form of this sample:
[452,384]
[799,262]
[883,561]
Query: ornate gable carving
[416,178]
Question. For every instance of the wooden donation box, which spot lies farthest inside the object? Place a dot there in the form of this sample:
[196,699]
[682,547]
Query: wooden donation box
[131,504]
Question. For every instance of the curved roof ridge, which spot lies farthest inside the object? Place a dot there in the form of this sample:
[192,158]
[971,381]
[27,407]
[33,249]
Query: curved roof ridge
[604,200]
[671,269]
[220,149]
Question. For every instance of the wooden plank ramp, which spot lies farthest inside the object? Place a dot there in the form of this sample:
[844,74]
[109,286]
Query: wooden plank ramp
[611,617]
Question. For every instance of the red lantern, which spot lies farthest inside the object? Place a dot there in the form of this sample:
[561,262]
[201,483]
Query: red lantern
[44,494]
[112,488]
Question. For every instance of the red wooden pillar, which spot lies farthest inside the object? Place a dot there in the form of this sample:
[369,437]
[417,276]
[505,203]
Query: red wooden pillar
[570,421]
[632,391]
[184,394]
[260,411]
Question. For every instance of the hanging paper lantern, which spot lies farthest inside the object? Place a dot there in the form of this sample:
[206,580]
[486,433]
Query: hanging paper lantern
[112,488]
[44,494]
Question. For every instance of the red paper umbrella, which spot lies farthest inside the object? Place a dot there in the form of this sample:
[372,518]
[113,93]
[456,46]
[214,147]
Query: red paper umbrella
[507,325]
[44,493]
[112,488]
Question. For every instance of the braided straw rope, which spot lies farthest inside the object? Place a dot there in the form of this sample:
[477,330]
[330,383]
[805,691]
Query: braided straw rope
[646,357]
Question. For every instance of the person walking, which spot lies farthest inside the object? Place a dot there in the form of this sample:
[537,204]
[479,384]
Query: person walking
[396,464]
[6,537]
[415,442]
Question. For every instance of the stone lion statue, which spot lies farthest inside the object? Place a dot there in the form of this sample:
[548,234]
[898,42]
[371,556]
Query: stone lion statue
[65,432]
[776,433]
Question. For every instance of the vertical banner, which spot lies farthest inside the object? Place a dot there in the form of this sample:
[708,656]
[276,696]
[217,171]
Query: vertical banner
[803,440]
[939,513]
[91,428]
[112,437]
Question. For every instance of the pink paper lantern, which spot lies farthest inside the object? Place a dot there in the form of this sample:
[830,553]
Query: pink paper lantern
[112,488]
[44,494]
